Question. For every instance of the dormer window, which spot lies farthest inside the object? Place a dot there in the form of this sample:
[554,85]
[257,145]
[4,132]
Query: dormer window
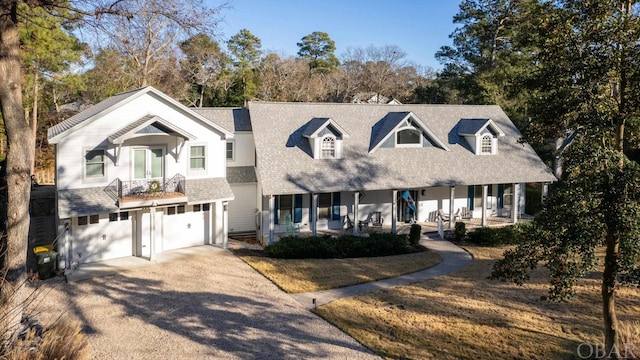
[481,135]
[328,147]
[325,138]
[487,144]
[408,137]
[401,130]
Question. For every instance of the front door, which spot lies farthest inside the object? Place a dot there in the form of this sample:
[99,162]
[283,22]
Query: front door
[148,164]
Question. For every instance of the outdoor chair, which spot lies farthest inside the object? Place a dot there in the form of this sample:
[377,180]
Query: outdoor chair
[377,219]
[465,213]
[365,223]
[291,228]
[349,222]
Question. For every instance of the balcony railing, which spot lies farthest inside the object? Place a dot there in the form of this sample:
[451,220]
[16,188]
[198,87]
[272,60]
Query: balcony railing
[145,188]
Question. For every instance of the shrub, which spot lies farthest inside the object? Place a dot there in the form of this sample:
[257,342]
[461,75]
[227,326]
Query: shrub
[414,234]
[460,231]
[63,340]
[345,246]
[508,235]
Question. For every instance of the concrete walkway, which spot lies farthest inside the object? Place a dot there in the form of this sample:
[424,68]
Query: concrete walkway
[453,257]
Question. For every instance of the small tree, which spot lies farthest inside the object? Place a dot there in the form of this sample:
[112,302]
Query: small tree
[586,79]
[318,49]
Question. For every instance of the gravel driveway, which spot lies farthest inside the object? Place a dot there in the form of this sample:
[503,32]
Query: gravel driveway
[209,305]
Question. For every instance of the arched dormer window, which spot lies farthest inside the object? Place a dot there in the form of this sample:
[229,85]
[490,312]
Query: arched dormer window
[486,146]
[408,137]
[328,147]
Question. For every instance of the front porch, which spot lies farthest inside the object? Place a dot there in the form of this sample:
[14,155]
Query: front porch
[427,227]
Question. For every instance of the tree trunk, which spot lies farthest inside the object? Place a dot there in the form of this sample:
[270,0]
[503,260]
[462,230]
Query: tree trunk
[20,149]
[609,297]
[34,114]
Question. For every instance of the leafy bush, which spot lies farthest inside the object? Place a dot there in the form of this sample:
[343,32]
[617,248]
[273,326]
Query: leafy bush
[346,246]
[460,231]
[508,235]
[414,234]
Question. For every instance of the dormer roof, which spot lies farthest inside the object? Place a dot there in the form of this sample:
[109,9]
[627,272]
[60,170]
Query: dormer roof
[148,125]
[474,127]
[392,121]
[316,125]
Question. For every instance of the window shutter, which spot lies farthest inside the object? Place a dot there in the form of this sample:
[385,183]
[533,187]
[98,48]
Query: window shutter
[276,208]
[336,205]
[489,195]
[310,208]
[297,208]
[470,195]
[500,196]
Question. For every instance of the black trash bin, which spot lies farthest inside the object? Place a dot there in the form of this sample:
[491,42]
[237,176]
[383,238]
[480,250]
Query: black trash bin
[47,260]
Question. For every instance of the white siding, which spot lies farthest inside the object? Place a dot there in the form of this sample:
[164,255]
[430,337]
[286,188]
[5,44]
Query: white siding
[70,151]
[244,148]
[242,210]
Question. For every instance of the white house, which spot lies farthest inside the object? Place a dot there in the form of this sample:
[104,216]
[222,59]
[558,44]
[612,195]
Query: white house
[138,174]
[319,164]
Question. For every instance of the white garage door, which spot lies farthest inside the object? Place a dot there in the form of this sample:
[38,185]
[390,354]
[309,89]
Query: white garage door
[101,241]
[242,209]
[184,230]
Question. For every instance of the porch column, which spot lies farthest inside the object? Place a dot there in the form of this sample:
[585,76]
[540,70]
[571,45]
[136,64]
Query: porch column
[545,191]
[485,192]
[356,204]
[516,203]
[152,232]
[314,214]
[67,248]
[225,225]
[212,221]
[272,218]
[452,196]
[394,210]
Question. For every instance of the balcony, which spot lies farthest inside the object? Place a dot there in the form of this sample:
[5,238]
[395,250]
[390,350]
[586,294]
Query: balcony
[147,192]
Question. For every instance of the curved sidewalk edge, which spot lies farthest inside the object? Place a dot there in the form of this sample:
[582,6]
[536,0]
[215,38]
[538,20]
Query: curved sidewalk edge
[453,257]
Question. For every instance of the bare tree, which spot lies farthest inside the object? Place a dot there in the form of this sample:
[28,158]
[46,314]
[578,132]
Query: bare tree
[149,30]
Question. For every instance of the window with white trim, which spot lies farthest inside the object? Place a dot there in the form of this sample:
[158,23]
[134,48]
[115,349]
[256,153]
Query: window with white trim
[408,137]
[328,147]
[197,158]
[94,164]
[230,150]
[486,145]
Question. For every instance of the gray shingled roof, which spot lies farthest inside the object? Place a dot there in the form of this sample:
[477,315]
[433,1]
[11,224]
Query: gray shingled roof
[472,126]
[208,190]
[84,202]
[241,174]
[314,125]
[112,102]
[91,201]
[285,168]
[232,119]
[383,127]
[86,114]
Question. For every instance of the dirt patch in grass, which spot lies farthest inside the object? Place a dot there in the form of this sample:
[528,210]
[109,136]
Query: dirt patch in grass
[467,316]
[297,276]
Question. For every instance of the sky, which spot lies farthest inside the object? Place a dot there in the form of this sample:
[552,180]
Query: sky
[418,27]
